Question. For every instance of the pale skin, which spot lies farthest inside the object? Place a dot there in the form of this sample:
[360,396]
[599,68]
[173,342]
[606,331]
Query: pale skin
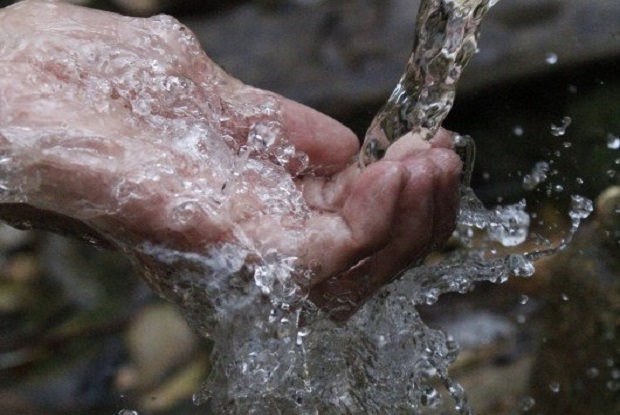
[71,129]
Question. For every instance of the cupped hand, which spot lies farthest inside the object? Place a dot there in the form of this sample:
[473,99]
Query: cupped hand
[124,129]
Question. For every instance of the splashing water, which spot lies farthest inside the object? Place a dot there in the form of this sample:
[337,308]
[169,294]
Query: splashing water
[271,354]
[445,39]
[560,129]
[537,176]
[274,351]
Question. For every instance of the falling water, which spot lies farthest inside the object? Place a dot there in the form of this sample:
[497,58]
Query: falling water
[445,39]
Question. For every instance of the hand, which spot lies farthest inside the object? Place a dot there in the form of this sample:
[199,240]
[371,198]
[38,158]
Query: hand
[124,130]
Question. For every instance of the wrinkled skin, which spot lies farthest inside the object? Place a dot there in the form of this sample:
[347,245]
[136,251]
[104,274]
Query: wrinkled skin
[71,130]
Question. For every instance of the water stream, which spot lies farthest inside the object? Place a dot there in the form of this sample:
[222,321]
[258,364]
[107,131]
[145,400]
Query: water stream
[445,40]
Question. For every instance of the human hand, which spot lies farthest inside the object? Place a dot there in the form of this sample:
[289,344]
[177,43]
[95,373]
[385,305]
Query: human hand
[124,129]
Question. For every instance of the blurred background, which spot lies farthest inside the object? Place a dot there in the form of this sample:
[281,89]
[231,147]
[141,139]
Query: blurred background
[80,333]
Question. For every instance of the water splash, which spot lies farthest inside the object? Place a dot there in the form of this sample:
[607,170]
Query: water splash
[274,351]
[270,349]
[537,176]
[560,129]
[445,40]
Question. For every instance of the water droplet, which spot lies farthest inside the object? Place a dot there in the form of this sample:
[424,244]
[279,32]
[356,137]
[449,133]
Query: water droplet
[555,387]
[431,296]
[263,135]
[565,297]
[579,180]
[518,131]
[520,265]
[613,385]
[611,173]
[183,213]
[592,372]
[284,154]
[613,142]
[560,130]
[581,207]
[538,175]
[551,58]
[127,412]
[524,299]
[527,403]
[430,397]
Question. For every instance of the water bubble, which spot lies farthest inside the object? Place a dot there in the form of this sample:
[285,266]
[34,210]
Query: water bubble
[560,130]
[565,297]
[613,142]
[551,58]
[555,387]
[127,412]
[524,299]
[558,188]
[592,372]
[579,180]
[611,173]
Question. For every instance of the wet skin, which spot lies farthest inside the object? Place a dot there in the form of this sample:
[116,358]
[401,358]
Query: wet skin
[70,131]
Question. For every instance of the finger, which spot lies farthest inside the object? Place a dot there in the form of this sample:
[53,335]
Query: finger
[424,218]
[329,145]
[411,143]
[446,181]
[329,193]
[362,227]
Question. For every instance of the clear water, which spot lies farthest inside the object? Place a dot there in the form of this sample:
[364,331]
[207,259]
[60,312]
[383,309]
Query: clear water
[274,351]
[445,40]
